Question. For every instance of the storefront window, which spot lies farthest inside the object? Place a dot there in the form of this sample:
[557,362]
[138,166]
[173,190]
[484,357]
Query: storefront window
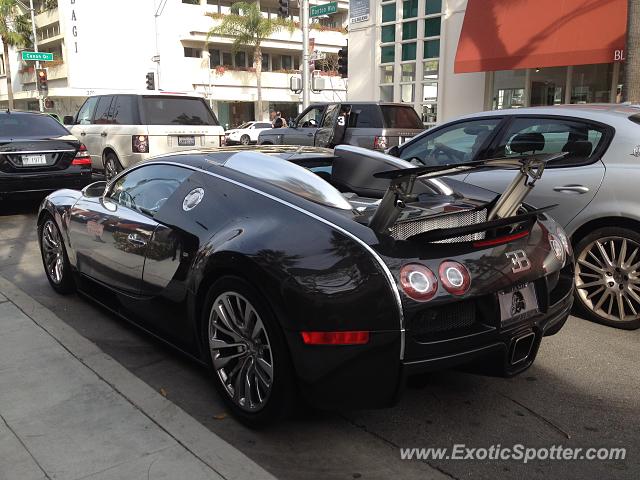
[429,113]
[433,6]
[431,49]
[508,89]
[386,74]
[430,91]
[430,69]
[409,30]
[387,54]
[408,72]
[389,13]
[388,34]
[591,83]
[432,27]
[548,86]
[407,93]
[408,51]
[386,93]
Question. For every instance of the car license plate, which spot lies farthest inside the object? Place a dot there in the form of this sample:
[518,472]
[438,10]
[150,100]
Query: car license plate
[186,141]
[518,303]
[30,160]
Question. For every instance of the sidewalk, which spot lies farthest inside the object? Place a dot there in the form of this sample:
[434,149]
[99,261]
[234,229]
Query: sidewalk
[68,411]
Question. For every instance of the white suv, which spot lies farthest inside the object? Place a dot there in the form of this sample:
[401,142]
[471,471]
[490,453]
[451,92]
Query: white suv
[122,129]
[246,133]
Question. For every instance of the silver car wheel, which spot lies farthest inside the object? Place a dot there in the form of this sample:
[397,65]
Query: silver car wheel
[241,351]
[607,278]
[53,252]
[110,168]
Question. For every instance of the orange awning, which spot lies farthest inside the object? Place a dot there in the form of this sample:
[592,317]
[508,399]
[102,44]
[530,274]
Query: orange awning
[511,34]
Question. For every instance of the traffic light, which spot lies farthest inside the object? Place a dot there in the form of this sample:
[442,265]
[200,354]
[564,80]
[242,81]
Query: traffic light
[151,81]
[41,81]
[283,9]
[343,62]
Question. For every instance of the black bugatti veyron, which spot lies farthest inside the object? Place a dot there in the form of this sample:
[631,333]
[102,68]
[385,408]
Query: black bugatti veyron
[328,274]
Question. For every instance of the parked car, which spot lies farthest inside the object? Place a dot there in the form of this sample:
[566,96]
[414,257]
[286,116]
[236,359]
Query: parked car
[594,187]
[369,124]
[38,154]
[245,134]
[121,130]
[281,283]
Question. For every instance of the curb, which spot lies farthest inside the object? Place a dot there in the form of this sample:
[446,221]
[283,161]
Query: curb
[219,455]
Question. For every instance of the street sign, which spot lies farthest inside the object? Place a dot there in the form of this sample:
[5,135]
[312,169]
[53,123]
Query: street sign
[38,56]
[326,9]
[317,56]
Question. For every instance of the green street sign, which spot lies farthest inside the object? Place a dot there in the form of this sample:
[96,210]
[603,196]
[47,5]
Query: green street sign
[326,9]
[38,56]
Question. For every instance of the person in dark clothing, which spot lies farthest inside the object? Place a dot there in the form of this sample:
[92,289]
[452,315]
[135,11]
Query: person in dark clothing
[341,125]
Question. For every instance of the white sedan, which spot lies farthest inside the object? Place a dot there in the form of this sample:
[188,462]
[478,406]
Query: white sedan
[246,133]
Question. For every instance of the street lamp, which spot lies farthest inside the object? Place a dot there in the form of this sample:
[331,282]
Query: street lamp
[35,43]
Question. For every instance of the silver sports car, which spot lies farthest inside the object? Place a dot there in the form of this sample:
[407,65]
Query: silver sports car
[595,187]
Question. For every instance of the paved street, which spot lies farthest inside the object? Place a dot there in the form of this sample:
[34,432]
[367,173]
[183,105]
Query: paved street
[582,391]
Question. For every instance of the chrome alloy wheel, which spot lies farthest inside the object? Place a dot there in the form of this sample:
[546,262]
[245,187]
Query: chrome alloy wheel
[240,351]
[607,278]
[110,169]
[53,252]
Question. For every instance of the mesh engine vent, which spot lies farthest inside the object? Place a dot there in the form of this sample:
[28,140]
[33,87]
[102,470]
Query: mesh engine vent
[404,230]
[441,319]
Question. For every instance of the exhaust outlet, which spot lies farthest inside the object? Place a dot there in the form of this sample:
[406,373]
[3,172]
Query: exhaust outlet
[521,348]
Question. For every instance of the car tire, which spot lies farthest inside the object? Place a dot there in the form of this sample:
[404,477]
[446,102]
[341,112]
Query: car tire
[111,165]
[245,140]
[54,256]
[252,359]
[607,277]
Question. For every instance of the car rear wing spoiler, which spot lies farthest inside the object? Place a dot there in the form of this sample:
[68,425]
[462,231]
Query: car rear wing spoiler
[400,191]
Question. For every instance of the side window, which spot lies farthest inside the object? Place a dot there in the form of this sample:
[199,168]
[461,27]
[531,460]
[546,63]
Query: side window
[262,125]
[365,116]
[124,110]
[553,135]
[147,188]
[458,143]
[86,111]
[102,110]
[311,118]
[330,117]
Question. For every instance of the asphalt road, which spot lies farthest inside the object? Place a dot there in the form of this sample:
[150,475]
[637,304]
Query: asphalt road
[583,391]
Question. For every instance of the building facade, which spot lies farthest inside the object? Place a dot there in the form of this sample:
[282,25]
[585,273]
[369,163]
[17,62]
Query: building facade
[453,57]
[111,46]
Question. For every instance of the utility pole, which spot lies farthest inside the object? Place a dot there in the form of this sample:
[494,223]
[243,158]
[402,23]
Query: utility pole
[35,49]
[304,13]
[156,58]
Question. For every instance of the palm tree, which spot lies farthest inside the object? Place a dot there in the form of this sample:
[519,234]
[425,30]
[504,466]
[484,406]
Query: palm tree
[249,28]
[14,32]
[632,67]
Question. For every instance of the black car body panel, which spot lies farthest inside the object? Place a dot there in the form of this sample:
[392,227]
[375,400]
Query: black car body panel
[45,139]
[321,269]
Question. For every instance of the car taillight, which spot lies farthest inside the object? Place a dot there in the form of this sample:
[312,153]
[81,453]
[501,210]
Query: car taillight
[418,282]
[380,143]
[140,144]
[82,156]
[223,139]
[455,277]
[335,338]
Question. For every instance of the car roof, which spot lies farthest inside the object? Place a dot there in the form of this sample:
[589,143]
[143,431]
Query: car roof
[285,151]
[392,104]
[602,112]
[146,93]
[22,112]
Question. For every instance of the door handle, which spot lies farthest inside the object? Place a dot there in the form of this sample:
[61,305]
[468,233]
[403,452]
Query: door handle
[103,134]
[136,240]
[571,188]
[83,133]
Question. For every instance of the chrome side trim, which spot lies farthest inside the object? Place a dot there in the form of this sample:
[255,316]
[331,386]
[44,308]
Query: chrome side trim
[19,152]
[389,276]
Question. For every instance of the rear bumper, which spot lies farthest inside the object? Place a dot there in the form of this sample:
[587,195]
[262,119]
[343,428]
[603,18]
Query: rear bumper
[373,376]
[74,178]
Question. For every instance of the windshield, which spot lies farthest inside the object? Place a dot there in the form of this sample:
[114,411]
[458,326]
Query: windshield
[27,125]
[396,116]
[244,125]
[177,111]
